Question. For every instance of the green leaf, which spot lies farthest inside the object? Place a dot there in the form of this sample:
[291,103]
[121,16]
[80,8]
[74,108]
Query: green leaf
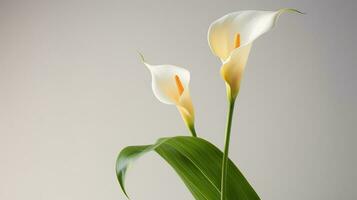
[197,162]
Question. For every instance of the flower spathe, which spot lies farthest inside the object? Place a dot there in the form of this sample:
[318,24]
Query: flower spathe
[231,36]
[170,85]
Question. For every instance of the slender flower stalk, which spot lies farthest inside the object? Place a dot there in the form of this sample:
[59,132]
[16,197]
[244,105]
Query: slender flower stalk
[231,97]
[230,39]
[226,149]
[192,130]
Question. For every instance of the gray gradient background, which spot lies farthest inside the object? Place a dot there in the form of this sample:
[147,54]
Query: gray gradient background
[73,93]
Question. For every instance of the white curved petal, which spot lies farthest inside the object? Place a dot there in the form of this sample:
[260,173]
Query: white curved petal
[233,68]
[170,85]
[250,24]
[185,107]
[164,84]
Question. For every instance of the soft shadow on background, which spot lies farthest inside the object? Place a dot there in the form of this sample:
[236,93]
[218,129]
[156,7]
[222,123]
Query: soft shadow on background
[73,93]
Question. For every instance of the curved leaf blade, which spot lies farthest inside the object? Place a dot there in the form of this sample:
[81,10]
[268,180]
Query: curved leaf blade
[197,162]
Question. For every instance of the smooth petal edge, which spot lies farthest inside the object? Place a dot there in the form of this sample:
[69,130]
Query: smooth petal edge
[220,48]
[167,92]
[232,69]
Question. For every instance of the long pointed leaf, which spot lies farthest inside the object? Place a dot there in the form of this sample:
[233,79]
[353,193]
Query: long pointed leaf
[197,162]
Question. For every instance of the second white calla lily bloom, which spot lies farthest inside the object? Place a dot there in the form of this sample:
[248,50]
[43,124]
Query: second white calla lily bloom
[170,85]
[231,36]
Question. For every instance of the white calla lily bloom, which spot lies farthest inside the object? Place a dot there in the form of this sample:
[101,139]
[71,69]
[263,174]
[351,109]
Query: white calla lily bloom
[231,36]
[170,85]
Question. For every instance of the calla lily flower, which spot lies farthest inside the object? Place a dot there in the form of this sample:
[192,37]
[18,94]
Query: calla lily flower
[170,85]
[231,37]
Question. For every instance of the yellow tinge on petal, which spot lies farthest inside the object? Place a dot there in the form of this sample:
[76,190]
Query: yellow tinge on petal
[233,68]
[186,110]
[184,104]
[250,24]
[231,36]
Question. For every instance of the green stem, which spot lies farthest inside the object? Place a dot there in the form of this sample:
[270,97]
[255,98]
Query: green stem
[192,130]
[226,149]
